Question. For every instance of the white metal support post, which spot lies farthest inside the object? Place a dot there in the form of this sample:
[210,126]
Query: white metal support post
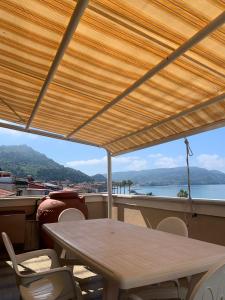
[68,35]
[109,184]
[188,153]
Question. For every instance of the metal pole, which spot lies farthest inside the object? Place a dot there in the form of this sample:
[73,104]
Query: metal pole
[45,133]
[109,184]
[188,153]
[202,105]
[12,109]
[74,21]
[193,131]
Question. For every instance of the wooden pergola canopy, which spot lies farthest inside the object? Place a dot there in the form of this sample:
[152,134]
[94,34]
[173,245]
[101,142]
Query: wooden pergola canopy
[121,75]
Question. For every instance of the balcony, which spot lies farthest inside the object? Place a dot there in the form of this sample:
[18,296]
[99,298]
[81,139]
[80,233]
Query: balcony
[204,223]
[148,72]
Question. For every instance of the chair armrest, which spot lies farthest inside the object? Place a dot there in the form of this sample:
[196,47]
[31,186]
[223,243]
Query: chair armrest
[28,278]
[32,254]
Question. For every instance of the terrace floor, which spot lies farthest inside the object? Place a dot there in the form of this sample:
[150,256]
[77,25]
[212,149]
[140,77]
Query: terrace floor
[91,289]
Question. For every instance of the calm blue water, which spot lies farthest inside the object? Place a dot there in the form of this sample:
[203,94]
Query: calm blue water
[197,191]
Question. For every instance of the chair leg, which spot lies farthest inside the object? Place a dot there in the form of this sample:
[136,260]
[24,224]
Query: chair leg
[63,254]
[78,292]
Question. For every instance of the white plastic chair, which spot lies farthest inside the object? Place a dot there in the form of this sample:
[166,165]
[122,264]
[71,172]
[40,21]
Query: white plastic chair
[56,283]
[70,259]
[71,214]
[173,225]
[176,226]
[211,286]
[171,289]
[67,215]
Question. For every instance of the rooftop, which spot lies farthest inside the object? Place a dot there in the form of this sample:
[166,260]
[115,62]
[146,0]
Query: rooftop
[5,193]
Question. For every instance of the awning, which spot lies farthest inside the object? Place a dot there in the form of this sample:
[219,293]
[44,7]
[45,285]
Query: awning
[134,73]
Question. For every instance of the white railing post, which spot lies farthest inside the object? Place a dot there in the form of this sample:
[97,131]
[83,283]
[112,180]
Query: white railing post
[120,213]
[109,184]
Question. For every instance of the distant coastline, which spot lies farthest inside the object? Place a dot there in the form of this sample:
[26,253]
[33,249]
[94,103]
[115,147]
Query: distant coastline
[171,176]
[158,185]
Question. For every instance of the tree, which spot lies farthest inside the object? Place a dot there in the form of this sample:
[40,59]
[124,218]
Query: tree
[182,193]
[129,183]
[120,185]
[124,183]
[115,187]
[149,194]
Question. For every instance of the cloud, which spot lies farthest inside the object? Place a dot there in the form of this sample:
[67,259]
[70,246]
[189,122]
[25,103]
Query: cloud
[88,162]
[211,161]
[151,161]
[130,163]
[127,163]
[159,160]
[169,162]
[208,161]
[122,163]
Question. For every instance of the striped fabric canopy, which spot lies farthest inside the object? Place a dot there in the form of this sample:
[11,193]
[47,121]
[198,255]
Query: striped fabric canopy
[119,74]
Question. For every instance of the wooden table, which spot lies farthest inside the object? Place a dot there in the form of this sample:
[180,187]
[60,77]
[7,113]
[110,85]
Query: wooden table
[130,256]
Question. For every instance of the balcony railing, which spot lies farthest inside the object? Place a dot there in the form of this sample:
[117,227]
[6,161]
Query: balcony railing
[205,218]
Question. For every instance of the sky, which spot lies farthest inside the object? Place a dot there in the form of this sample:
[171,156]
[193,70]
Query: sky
[208,149]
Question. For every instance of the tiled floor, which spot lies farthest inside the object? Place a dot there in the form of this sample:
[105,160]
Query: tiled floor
[9,291]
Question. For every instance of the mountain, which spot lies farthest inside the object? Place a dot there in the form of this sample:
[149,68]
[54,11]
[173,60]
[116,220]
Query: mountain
[99,178]
[23,160]
[171,176]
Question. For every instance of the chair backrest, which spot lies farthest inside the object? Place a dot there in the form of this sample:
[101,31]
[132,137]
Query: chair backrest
[11,252]
[173,225]
[71,214]
[211,286]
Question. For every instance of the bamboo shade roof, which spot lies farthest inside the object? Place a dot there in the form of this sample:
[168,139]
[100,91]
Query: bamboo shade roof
[100,93]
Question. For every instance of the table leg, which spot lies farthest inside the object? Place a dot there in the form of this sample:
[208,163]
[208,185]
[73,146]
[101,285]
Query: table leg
[111,290]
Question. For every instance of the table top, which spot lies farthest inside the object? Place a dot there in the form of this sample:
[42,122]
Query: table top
[133,255]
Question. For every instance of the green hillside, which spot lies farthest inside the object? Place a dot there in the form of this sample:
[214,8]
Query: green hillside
[171,176]
[23,160]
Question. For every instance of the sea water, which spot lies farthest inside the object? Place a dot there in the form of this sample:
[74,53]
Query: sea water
[216,191]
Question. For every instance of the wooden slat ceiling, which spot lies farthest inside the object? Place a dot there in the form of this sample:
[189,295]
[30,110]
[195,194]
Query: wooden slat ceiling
[115,44]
